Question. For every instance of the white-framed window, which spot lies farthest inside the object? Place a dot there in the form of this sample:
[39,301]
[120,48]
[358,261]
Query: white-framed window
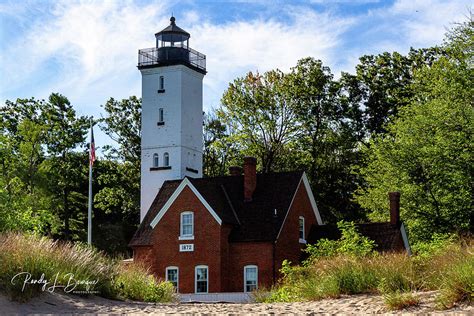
[201,278]
[187,226]
[172,275]
[250,278]
[301,230]
[161,117]
[166,159]
[162,83]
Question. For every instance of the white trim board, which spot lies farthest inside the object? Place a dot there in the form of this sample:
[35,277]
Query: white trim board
[185,183]
[405,239]
[305,181]
[311,199]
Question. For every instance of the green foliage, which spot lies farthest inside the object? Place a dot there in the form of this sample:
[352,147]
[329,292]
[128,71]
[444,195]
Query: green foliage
[295,120]
[400,300]
[219,150]
[382,85]
[394,275]
[351,243]
[40,255]
[57,262]
[437,243]
[457,284]
[44,171]
[122,124]
[133,282]
[41,188]
[260,115]
[427,153]
[117,199]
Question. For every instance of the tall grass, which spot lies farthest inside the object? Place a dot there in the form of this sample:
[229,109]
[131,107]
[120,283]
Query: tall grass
[73,268]
[395,276]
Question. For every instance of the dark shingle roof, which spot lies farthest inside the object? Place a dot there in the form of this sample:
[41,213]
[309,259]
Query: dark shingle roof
[173,32]
[252,221]
[386,236]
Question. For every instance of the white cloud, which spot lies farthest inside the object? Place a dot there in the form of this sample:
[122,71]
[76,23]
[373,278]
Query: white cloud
[93,47]
[238,47]
[428,20]
[82,44]
[87,50]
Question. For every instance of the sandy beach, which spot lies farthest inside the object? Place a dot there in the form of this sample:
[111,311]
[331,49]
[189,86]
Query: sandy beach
[56,303]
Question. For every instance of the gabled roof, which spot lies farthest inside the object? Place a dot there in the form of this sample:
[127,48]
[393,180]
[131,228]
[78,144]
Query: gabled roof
[251,221]
[386,235]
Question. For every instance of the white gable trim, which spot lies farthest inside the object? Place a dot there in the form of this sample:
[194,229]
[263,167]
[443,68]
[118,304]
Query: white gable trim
[405,239]
[174,196]
[311,199]
[304,180]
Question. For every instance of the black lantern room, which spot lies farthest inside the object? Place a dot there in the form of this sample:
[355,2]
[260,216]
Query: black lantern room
[172,36]
[172,47]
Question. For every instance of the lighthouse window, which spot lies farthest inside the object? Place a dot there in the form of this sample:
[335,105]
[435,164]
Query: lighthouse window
[160,115]
[155,160]
[166,160]
[161,85]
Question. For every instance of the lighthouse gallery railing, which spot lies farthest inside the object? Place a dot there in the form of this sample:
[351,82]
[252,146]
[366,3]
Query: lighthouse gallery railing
[169,55]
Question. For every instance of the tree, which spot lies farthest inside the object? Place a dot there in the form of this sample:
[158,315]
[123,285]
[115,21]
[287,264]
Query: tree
[67,180]
[328,137]
[217,148]
[427,153]
[122,124]
[382,85]
[260,117]
[40,175]
[299,120]
[117,202]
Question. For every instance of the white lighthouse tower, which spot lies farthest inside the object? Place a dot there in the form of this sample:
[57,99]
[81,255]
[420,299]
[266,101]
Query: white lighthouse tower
[172,117]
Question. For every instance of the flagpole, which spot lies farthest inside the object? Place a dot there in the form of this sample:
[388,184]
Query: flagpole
[89,211]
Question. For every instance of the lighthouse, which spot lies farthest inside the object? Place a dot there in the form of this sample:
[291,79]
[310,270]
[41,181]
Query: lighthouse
[172,114]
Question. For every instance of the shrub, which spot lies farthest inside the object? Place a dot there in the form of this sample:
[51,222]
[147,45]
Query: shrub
[400,300]
[63,262]
[134,282]
[437,244]
[351,243]
[457,283]
[449,269]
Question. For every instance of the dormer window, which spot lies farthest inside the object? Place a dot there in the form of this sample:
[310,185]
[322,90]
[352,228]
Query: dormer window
[166,160]
[156,160]
[187,226]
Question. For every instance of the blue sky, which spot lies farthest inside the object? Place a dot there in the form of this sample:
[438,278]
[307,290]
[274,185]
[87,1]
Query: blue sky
[87,50]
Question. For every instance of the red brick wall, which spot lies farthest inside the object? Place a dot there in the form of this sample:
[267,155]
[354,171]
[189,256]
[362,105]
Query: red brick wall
[287,245]
[207,244]
[142,254]
[250,253]
[225,261]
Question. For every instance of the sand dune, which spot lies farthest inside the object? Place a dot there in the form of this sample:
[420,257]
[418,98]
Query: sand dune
[57,303]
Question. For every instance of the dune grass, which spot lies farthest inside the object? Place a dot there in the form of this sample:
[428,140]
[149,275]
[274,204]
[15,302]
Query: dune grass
[449,270]
[72,268]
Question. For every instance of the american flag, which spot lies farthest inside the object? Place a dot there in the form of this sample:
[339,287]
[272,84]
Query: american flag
[92,148]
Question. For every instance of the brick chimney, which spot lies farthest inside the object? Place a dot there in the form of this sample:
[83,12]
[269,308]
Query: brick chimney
[235,170]
[394,198]
[250,177]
